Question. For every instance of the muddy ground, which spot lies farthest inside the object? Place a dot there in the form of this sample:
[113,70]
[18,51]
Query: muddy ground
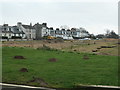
[102,47]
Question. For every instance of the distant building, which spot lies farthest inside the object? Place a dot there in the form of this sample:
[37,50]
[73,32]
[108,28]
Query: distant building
[29,30]
[38,28]
[45,30]
[11,32]
[79,33]
[6,31]
[7,34]
[52,32]
[39,31]
[17,32]
[58,33]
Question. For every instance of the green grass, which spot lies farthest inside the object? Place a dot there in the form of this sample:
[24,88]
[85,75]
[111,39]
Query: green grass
[70,70]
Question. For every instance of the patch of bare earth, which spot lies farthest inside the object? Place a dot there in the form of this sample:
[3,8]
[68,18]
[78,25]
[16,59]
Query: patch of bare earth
[23,70]
[19,57]
[39,81]
[53,60]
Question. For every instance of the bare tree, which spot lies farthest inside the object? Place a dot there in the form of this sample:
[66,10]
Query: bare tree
[107,31]
[64,27]
[111,34]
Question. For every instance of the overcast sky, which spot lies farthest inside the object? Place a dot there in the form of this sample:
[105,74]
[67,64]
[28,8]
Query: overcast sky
[94,16]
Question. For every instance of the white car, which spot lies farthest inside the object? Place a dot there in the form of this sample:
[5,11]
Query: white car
[85,39]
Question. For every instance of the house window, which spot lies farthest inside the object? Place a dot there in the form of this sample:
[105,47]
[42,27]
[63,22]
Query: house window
[29,30]
[30,36]
[9,29]
[21,35]
[5,29]
[3,34]
[17,34]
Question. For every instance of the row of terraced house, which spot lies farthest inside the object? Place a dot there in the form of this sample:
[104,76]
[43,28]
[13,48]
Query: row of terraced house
[38,31]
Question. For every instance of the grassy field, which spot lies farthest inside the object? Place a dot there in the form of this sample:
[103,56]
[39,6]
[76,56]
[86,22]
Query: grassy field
[68,71]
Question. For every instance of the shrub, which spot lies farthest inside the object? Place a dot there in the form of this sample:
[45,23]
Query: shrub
[46,48]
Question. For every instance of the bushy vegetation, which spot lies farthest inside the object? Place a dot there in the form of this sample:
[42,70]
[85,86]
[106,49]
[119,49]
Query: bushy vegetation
[44,47]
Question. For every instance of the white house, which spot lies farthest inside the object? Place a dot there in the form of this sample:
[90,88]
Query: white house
[29,30]
[52,31]
[17,32]
[7,34]
[79,33]
[6,31]
[38,31]
[45,31]
[11,32]
[42,30]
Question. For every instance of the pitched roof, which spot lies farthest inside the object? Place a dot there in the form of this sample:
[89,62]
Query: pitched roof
[28,27]
[73,29]
[63,30]
[68,29]
[16,30]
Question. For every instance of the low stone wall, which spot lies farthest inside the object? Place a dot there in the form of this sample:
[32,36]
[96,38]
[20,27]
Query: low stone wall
[3,40]
[13,39]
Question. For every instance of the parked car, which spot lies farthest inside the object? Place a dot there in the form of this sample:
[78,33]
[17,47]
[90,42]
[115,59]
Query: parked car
[85,39]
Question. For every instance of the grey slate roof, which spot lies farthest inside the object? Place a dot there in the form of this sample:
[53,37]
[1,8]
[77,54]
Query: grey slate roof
[28,27]
[16,30]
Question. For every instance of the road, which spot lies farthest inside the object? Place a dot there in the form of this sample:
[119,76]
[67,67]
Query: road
[7,87]
[21,87]
[17,88]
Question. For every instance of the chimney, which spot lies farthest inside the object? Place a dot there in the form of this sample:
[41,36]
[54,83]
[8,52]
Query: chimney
[19,24]
[30,24]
